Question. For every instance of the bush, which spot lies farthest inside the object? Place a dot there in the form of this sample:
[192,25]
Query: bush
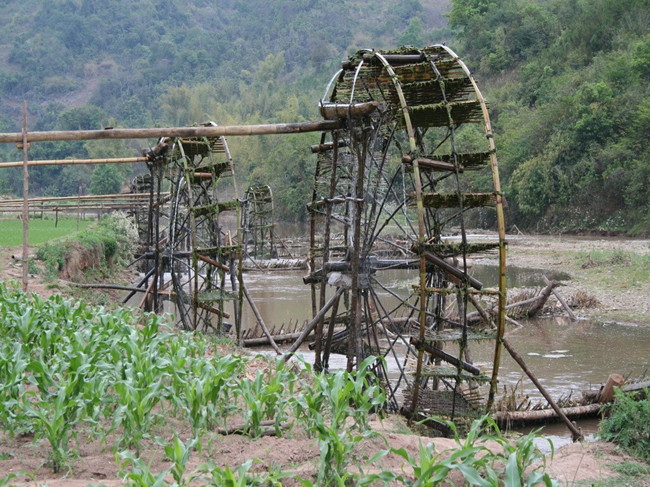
[628,426]
[113,240]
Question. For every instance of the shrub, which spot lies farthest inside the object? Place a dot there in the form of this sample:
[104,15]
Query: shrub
[627,424]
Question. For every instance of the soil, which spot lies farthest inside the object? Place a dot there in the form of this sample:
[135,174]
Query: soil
[573,463]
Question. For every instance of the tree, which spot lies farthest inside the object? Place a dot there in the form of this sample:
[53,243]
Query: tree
[106,179]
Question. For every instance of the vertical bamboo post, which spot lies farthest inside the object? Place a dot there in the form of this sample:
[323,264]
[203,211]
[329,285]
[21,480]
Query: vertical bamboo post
[25,202]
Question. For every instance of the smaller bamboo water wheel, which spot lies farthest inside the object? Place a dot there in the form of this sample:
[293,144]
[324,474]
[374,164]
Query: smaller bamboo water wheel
[198,252]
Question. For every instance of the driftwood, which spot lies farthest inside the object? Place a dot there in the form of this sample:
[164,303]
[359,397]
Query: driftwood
[528,307]
[561,300]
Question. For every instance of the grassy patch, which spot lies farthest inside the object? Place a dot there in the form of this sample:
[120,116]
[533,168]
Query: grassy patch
[622,269]
[97,248]
[627,425]
[40,231]
[629,474]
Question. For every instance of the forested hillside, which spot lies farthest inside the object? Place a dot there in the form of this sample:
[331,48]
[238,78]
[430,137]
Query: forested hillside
[566,80]
[132,63]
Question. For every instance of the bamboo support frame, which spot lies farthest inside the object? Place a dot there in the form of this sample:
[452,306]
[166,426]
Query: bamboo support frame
[25,201]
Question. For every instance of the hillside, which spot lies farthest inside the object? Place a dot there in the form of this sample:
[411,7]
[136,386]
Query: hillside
[89,64]
[568,88]
[567,84]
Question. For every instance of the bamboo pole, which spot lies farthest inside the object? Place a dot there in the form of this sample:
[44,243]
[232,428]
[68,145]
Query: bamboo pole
[154,133]
[67,162]
[260,320]
[575,433]
[85,197]
[310,326]
[25,201]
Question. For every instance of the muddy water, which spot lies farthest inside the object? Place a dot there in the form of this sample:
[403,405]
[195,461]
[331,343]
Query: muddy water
[567,357]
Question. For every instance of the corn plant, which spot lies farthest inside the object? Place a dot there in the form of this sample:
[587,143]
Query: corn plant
[265,397]
[13,376]
[324,409]
[179,453]
[239,477]
[55,421]
[478,464]
[139,473]
[202,390]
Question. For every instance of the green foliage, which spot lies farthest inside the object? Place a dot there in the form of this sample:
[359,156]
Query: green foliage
[113,239]
[627,424]
[106,179]
[516,465]
[565,81]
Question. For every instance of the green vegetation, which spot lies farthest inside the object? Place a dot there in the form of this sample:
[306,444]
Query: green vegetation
[111,241]
[622,269]
[71,374]
[567,85]
[627,425]
[40,230]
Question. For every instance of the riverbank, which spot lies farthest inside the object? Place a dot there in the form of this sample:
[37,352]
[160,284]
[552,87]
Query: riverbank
[610,277]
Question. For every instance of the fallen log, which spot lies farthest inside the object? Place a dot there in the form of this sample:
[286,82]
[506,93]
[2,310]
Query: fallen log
[518,418]
[261,341]
[534,305]
[562,301]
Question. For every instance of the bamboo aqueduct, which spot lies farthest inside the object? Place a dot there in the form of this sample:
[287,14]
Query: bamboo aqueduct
[399,139]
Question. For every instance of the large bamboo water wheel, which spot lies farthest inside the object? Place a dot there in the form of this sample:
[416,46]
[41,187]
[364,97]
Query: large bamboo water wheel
[393,195]
[198,257]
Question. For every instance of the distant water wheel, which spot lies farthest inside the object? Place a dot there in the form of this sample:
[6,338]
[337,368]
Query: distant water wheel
[142,217]
[257,223]
[202,255]
[391,200]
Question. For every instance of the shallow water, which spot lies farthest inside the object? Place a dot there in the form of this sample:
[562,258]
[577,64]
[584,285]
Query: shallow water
[567,357]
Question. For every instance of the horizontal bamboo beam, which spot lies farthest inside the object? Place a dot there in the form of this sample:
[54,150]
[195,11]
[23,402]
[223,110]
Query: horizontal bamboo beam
[154,133]
[86,197]
[68,162]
